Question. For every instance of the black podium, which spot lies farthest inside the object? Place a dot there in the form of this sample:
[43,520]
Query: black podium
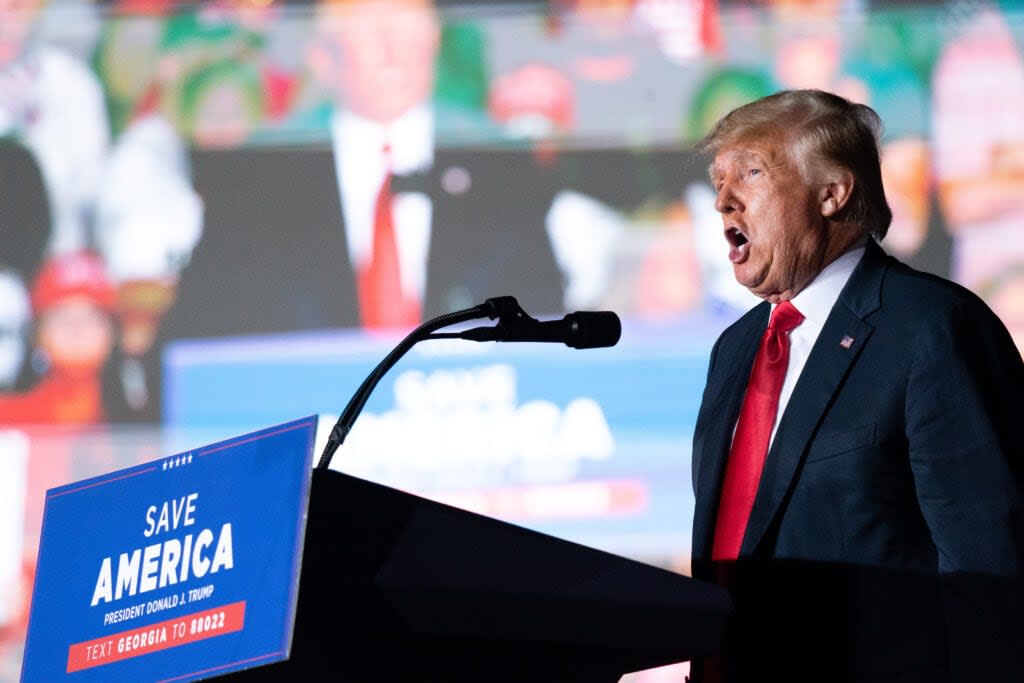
[399,588]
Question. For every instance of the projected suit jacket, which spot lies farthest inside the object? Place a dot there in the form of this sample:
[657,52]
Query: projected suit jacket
[885,542]
[273,255]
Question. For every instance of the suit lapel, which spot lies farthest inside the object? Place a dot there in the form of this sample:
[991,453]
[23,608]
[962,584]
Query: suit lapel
[836,350]
[711,452]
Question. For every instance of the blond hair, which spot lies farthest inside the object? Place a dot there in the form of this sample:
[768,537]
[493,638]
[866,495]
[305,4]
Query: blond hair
[824,129]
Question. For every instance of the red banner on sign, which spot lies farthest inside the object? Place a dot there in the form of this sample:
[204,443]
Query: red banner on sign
[161,636]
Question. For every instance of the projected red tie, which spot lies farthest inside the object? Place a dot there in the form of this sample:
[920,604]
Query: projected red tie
[753,432]
[381,301]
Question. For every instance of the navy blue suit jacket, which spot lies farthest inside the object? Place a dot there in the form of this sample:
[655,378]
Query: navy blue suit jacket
[885,541]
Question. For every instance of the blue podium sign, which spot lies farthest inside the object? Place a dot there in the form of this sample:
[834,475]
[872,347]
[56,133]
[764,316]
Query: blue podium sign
[175,570]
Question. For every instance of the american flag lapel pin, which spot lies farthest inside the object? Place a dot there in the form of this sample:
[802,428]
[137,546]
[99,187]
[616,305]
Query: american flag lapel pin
[846,342]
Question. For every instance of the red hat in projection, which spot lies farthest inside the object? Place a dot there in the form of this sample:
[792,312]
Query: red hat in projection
[533,90]
[77,273]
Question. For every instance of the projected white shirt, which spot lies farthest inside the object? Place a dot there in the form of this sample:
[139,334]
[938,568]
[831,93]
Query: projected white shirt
[360,168]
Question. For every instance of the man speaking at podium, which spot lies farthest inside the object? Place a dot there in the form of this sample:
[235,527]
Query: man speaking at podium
[857,456]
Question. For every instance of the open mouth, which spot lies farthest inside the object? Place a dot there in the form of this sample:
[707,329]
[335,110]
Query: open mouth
[735,237]
[738,244]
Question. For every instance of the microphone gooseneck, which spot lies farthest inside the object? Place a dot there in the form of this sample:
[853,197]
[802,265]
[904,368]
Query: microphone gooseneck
[580,330]
[355,405]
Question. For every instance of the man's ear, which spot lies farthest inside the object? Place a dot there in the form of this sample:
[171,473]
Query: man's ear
[835,194]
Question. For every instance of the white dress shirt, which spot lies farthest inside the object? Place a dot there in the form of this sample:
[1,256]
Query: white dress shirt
[815,302]
[360,168]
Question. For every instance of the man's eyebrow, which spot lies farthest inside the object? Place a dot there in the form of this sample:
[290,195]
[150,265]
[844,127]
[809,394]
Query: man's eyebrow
[751,157]
[743,157]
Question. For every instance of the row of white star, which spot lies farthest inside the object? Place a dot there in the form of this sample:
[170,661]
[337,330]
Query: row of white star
[177,461]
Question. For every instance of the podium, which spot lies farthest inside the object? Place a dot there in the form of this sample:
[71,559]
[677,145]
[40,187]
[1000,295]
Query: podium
[399,588]
[239,560]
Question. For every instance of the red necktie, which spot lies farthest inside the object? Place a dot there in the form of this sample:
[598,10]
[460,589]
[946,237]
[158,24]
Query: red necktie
[381,301]
[753,432]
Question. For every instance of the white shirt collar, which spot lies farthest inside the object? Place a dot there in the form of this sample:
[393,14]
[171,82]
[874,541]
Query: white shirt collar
[410,136]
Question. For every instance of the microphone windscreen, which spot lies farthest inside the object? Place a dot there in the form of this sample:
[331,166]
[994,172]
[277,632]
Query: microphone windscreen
[594,329]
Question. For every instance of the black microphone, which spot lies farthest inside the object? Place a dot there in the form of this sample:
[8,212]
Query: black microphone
[580,330]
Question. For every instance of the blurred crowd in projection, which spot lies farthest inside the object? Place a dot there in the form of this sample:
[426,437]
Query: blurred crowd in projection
[243,167]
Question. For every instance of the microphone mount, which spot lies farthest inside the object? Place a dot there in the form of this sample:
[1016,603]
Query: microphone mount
[511,319]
